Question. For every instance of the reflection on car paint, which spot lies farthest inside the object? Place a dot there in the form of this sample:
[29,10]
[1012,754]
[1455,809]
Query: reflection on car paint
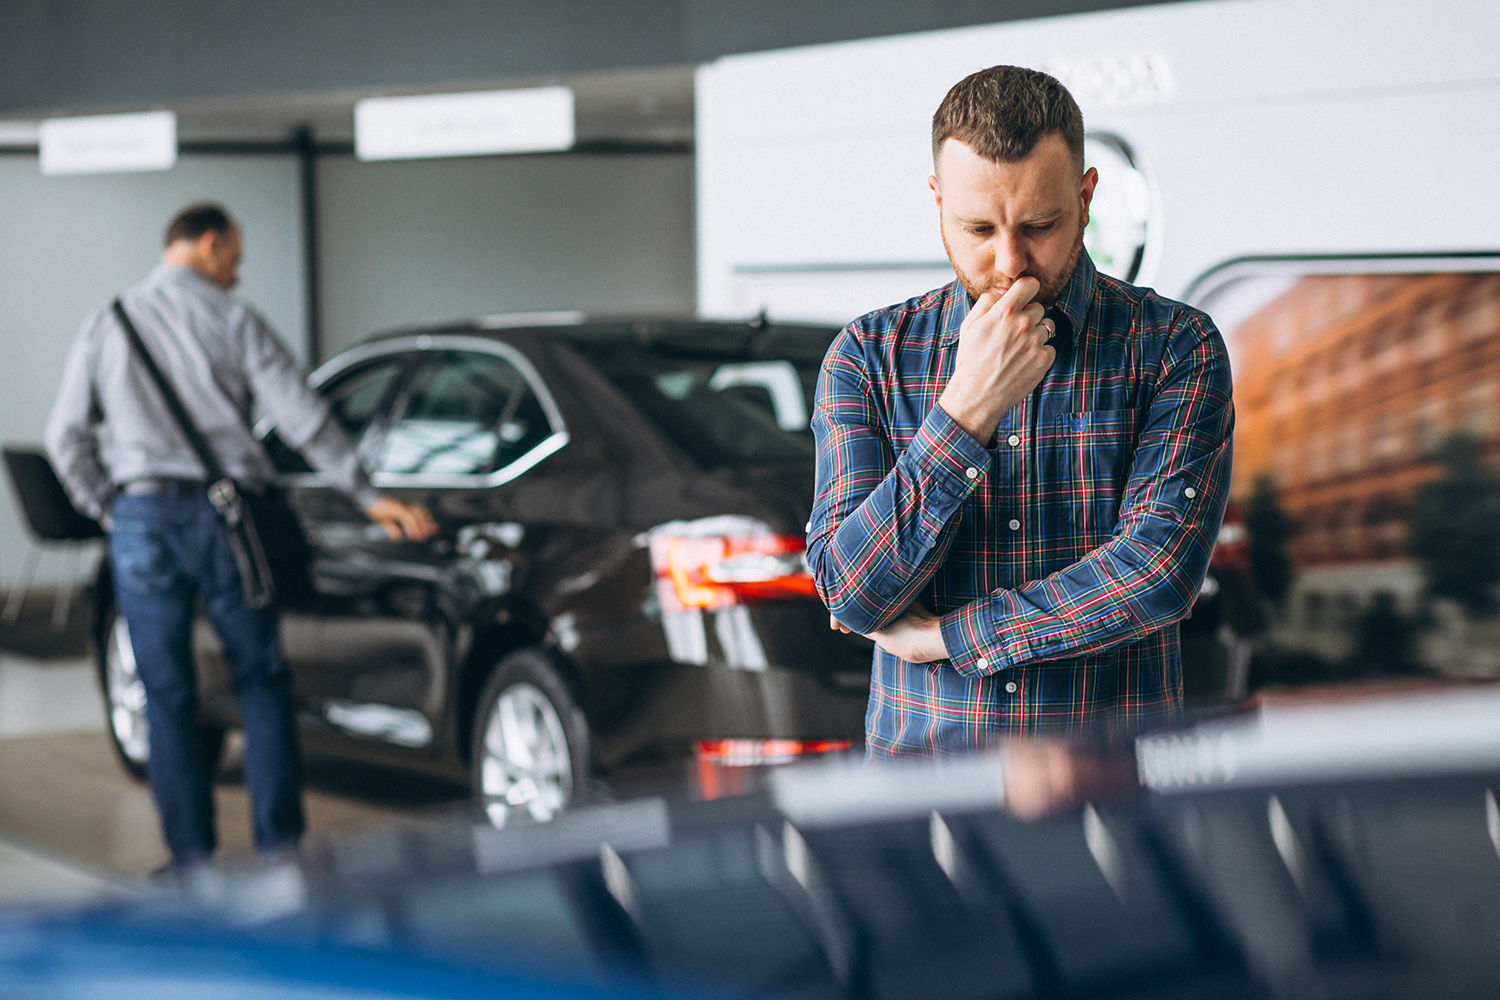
[405,726]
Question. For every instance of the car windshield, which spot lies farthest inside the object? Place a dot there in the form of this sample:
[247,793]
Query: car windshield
[726,395]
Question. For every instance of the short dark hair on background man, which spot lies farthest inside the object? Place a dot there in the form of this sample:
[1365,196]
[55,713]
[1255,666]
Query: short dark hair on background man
[1002,112]
[197,219]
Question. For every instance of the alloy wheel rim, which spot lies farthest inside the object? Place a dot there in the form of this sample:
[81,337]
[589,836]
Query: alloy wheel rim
[127,695]
[526,765]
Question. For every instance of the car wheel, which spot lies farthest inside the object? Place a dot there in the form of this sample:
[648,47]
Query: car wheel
[530,744]
[125,703]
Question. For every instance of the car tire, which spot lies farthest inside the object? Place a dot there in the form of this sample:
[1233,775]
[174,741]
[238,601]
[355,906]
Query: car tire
[125,702]
[529,752]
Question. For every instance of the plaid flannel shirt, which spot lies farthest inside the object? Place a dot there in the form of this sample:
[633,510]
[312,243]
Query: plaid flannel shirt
[1062,555]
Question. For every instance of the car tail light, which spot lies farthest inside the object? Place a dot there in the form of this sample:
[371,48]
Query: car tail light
[750,753]
[717,562]
[726,767]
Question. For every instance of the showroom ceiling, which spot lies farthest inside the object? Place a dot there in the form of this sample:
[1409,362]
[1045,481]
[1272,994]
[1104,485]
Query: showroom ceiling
[235,70]
[635,106]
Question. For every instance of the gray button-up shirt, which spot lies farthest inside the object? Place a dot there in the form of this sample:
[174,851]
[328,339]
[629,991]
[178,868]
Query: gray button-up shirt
[110,425]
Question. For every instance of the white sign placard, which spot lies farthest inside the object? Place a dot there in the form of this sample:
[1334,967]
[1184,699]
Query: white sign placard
[103,144]
[534,120]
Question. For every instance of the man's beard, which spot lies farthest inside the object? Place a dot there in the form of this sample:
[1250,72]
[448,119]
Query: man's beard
[1053,285]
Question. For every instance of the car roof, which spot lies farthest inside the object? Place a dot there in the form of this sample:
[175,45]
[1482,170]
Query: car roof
[640,325]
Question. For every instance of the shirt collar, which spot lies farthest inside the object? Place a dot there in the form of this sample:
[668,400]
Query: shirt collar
[182,275]
[1073,306]
[955,311]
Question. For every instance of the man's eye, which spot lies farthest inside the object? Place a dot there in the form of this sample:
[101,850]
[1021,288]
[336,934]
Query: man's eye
[977,230]
[1040,227]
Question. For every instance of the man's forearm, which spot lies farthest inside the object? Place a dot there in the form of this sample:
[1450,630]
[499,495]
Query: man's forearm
[870,562]
[82,474]
[1139,582]
[870,558]
[332,453]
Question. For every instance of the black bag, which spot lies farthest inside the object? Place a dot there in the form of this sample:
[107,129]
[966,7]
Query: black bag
[238,512]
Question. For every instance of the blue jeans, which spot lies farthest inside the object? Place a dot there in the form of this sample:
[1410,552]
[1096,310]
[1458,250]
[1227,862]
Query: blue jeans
[168,552]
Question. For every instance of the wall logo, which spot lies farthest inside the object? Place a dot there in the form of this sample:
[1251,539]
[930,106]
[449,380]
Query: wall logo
[1111,80]
[1116,233]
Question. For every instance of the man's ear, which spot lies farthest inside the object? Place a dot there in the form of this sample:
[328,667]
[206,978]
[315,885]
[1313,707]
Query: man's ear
[1086,191]
[937,192]
[208,243]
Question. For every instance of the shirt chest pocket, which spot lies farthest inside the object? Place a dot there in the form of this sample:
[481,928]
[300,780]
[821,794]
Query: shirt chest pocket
[1084,459]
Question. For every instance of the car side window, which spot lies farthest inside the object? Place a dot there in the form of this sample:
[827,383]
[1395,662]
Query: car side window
[465,413]
[356,397]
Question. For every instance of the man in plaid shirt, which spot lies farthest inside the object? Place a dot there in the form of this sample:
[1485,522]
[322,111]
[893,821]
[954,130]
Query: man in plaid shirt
[1021,475]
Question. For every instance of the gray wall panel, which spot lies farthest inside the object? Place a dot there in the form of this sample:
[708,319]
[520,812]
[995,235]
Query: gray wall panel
[425,241]
[67,244]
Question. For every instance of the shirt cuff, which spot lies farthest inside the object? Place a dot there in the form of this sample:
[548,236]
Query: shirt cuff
[947,453]
[973,641]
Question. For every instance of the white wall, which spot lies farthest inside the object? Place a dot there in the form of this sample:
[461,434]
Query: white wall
[411,242]
[67,244]
[1272,127]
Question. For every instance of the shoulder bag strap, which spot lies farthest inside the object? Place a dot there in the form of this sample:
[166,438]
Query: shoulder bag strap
[256,577]
[205,454]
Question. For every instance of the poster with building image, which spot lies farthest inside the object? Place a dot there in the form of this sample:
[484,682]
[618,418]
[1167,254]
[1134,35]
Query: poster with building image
[1367,398]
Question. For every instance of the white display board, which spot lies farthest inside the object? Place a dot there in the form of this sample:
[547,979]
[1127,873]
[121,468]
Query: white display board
[1260,127]
[480,123]
[108,144]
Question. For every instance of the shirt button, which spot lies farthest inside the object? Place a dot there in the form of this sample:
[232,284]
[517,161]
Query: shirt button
[1013,440]
[982,663]
[972,472]
[1015,525]
[1010,687]
[1190,493]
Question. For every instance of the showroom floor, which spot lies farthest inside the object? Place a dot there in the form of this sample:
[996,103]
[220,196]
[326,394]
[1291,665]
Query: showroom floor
[74,825]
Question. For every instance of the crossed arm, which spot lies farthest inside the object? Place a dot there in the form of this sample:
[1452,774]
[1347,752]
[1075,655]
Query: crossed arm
[883,524]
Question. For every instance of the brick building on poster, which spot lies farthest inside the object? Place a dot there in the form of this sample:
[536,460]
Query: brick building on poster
[1343,385]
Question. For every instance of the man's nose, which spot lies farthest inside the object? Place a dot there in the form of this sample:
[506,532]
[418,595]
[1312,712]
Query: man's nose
[1011,258]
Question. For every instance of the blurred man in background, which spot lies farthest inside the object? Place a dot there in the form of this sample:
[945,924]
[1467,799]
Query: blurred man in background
[126,462]
[1020,475]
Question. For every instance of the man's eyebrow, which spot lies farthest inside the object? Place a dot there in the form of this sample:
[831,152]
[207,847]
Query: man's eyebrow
[1042,217]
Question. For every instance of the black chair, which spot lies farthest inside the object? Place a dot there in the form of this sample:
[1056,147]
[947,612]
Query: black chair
[51,517]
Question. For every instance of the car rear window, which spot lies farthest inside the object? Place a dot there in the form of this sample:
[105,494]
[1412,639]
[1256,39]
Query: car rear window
[727,396]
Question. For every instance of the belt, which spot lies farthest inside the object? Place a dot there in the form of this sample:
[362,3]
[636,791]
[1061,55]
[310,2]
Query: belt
[161,486]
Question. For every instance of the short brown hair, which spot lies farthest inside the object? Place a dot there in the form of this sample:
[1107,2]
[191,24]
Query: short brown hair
[197,219]
[1001,113]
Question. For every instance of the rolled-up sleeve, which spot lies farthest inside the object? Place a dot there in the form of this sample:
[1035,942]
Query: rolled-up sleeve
[881,523]
[1145,577]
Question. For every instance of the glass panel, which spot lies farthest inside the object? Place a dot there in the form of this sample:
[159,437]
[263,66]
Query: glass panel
[467,413]
[357,394]
[726,396]
[1366,502]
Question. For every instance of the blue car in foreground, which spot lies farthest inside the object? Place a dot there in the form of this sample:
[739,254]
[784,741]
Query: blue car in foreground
[149,955]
